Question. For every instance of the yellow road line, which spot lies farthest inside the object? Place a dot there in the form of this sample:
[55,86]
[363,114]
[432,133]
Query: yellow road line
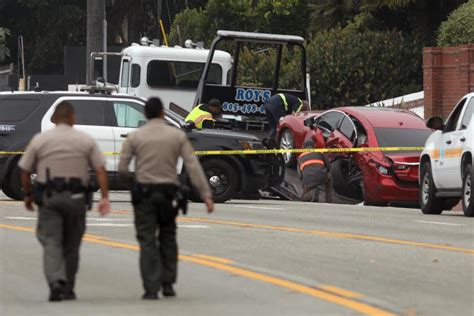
[329,234]
[339,291]
[320,233]
[342,301]
[346,302]
[212,258]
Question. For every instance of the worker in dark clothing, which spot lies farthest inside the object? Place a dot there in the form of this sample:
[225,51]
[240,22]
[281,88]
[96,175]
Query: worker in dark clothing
[203,115]
[61,158]
[280,105]
[314,170]
[156,148]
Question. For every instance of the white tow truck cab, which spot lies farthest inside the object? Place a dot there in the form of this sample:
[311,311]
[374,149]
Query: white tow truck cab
[172,73]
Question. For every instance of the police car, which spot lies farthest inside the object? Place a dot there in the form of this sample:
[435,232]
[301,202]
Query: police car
[108,119]
[446,161]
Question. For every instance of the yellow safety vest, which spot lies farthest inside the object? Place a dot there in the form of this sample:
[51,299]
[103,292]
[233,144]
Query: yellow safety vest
[285,102]
[198,116]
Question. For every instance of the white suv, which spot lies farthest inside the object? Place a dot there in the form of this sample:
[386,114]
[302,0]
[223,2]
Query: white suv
[446,161]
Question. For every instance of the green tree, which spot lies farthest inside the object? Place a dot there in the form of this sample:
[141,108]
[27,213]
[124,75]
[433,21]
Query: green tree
[4,51]
[459,28]
[352,68]
[420,18]
[190,24]
[282,17]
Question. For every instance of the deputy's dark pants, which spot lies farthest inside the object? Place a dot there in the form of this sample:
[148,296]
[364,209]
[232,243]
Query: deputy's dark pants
[61,225]
[311,191]
[274,113]
[155,222]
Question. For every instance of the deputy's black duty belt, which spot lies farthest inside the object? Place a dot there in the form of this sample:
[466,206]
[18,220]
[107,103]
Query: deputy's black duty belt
[61,184]
[163,187]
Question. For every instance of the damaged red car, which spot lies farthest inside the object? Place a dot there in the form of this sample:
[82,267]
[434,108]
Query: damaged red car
[377,178]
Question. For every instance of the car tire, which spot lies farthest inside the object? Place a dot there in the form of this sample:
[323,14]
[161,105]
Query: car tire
[287,141]
[429,203]
[340,184]
[222,179]
[12,185]
[467,206]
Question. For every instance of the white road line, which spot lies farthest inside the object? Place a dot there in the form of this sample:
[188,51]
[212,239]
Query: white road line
[106,222]
[108,219]
[439,223]
[192,226]
[258,207]
[109,225]
[21,218]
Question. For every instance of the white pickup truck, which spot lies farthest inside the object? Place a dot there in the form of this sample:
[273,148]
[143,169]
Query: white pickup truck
[446,161]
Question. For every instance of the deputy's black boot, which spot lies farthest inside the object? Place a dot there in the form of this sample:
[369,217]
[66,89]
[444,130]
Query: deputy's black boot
[150,296]
[168,289]
[56,289]
[68,291]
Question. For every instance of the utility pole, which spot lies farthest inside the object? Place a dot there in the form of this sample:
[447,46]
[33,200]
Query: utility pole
[159,10]
[95,30]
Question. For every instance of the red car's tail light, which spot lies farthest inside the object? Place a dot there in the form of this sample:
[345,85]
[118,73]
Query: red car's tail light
[401,167]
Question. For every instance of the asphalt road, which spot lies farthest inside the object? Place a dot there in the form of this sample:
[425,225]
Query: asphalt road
[265,257]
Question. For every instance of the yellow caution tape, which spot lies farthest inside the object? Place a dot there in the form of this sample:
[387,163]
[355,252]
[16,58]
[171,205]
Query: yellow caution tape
[303,150]
[273,151]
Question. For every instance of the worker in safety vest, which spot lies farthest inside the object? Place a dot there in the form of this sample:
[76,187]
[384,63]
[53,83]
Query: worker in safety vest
[203,115]
[314,170]
[280,105]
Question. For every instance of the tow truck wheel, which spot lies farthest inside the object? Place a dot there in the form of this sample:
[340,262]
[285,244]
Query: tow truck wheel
[12,185]
[467,192]
[429,203]
[222,179]
[287,142]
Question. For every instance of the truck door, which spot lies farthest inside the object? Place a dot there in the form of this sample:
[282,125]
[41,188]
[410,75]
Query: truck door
[91,118]
[448,166]
[125,74]
[127,116]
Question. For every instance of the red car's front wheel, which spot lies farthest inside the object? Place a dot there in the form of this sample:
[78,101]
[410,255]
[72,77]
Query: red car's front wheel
[287,142]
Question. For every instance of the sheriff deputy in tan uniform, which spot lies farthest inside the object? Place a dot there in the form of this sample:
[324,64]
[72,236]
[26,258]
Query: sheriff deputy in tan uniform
[156,148]
[61,157]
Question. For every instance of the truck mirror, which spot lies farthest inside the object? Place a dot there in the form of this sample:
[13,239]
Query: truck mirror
[435,123]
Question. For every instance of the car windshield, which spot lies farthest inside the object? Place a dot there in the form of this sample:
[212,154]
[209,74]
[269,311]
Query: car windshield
[401,137]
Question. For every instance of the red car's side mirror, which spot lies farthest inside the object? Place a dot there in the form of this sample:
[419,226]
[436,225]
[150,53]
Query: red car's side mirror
[309,122]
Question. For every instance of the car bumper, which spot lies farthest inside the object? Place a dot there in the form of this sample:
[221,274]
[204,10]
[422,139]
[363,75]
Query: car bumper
[386,189]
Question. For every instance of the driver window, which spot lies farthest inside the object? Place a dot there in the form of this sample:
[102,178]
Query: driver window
[453,120]
[467,115]
[129,114]
[329,121]
[347,129]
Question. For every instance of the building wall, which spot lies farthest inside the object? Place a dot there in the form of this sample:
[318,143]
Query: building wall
[448,74]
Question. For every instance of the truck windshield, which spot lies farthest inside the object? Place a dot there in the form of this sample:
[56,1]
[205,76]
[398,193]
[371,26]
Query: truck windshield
[178,74]
[402,137]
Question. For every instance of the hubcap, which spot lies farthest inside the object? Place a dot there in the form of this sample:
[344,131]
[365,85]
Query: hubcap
[217,180]
[467,190]
[286,142]
[425,189]
[214,181]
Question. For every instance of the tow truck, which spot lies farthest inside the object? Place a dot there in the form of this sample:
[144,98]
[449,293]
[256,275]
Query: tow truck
[242,69]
